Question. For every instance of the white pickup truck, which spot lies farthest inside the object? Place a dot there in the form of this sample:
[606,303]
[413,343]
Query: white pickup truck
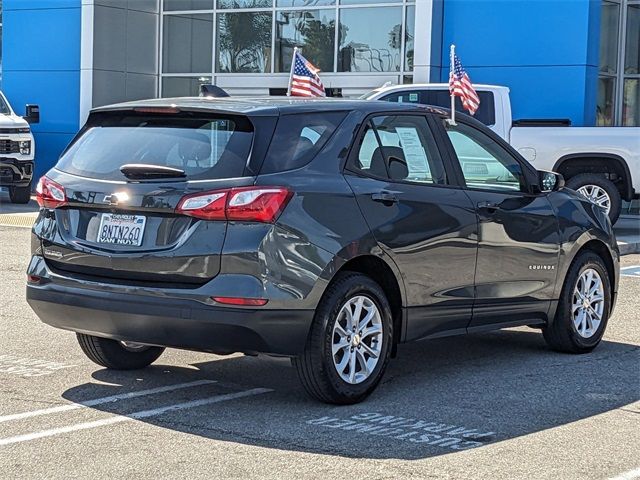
[602,163]
[17,150]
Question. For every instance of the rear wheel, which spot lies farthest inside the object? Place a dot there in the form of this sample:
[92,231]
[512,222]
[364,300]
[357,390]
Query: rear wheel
[600,191]
[583,309]
[350,341]
[118,355]
[20,194]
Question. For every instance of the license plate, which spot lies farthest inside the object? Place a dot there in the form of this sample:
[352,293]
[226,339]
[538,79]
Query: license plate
[119,229]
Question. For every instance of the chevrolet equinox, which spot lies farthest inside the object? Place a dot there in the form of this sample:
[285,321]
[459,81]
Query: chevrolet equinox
[328,231]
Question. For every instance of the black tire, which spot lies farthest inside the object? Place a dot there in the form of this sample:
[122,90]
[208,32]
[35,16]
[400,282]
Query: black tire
[315,366]
[607,185]
[20,194]
[562,335]
[112,354]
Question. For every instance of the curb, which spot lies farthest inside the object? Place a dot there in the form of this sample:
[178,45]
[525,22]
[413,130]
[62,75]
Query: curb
[24,220]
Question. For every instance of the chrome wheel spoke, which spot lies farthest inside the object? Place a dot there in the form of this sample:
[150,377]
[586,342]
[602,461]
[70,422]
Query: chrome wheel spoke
[352,367]
[336,347]
[369,350]
[343,363]
[373,330]
[363,363]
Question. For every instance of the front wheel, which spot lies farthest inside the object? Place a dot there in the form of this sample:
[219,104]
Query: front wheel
[583,308]
[118,355]
[350,342]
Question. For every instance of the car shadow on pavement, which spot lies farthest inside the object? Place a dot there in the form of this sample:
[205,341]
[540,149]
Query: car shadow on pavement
[437,397]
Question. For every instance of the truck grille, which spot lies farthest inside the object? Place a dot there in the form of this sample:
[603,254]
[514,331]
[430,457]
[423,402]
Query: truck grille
[9,146]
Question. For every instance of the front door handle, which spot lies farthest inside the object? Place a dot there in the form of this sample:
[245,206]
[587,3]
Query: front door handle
[387,198]
[488,206]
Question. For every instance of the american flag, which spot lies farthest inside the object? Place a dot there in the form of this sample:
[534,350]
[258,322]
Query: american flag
[460,85]
[304,81]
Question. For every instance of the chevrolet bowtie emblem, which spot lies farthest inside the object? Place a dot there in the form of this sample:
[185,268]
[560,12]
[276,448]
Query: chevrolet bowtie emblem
[116,198]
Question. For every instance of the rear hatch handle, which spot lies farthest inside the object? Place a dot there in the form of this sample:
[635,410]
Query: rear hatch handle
[143,171]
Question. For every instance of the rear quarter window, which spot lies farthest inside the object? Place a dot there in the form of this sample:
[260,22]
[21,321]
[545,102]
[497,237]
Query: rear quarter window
[298,138]
[205,148]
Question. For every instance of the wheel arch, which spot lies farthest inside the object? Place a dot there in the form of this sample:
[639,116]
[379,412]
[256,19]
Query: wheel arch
[583,161]
[600,248]
[390,281]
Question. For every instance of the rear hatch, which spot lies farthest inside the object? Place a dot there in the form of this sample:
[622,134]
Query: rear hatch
[122,180]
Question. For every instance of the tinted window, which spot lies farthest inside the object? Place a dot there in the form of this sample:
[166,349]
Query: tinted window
[206,148]
[298,138]
[400,148]
[485,164]
[441,98]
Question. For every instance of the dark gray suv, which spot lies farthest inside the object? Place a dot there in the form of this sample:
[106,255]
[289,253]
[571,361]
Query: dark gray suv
[328,231]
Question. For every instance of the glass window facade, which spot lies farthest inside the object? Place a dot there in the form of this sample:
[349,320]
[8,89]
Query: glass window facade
[243,42]
[619,79]
[215,38]
[313,31]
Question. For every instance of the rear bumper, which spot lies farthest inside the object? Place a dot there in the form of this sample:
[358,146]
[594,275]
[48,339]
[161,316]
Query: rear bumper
[170,321]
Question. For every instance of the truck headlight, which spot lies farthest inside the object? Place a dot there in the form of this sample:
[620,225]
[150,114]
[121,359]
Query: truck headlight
[25,147]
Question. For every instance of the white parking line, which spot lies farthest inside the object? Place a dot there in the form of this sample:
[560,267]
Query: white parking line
[133,416]
[100,401]
[630,475]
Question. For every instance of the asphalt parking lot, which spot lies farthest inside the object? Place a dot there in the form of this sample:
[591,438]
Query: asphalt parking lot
[496,405]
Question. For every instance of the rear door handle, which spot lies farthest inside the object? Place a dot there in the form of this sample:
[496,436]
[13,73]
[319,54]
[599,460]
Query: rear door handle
[384,197]
[488,206]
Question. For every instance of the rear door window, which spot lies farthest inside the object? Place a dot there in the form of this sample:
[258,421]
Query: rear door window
[204,148]
[298,138]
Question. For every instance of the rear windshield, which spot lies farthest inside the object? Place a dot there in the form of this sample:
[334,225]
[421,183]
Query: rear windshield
[298,138]
[205,148]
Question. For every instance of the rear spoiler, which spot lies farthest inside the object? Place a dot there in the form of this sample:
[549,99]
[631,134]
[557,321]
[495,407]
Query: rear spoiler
[542,122]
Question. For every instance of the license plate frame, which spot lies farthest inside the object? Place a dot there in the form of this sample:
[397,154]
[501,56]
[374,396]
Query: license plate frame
[121,229]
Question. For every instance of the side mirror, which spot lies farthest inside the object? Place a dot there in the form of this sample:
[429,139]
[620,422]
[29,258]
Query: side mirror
[550,181]
[32,114]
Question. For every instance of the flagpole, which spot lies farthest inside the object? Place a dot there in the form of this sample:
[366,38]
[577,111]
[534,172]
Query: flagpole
[451,72]
[293,64]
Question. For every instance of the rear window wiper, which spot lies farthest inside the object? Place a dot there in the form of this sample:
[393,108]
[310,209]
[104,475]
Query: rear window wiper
[142,171]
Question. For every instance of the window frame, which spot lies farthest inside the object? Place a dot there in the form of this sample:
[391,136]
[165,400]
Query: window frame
[350,166]
[529,172]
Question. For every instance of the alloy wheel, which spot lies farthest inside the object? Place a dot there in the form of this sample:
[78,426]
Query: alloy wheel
[357,339]
[587,307]
[597,195]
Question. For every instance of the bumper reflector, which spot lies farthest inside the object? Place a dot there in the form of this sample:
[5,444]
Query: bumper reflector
[247,302]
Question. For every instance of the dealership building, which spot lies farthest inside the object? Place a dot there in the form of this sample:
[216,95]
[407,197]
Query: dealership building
[575,59]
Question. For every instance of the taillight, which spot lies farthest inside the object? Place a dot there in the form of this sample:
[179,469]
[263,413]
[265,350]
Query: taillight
[246,204]
[208,206]
[50,194]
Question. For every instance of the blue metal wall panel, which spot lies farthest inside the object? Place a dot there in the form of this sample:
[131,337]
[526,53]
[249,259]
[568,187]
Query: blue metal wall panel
[41,64]
[545,51]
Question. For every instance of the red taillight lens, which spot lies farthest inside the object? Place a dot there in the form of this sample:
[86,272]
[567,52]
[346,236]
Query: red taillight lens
[207,206]
[50,194]
[247,204]
[33,279]
[257,204]
[247,302]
